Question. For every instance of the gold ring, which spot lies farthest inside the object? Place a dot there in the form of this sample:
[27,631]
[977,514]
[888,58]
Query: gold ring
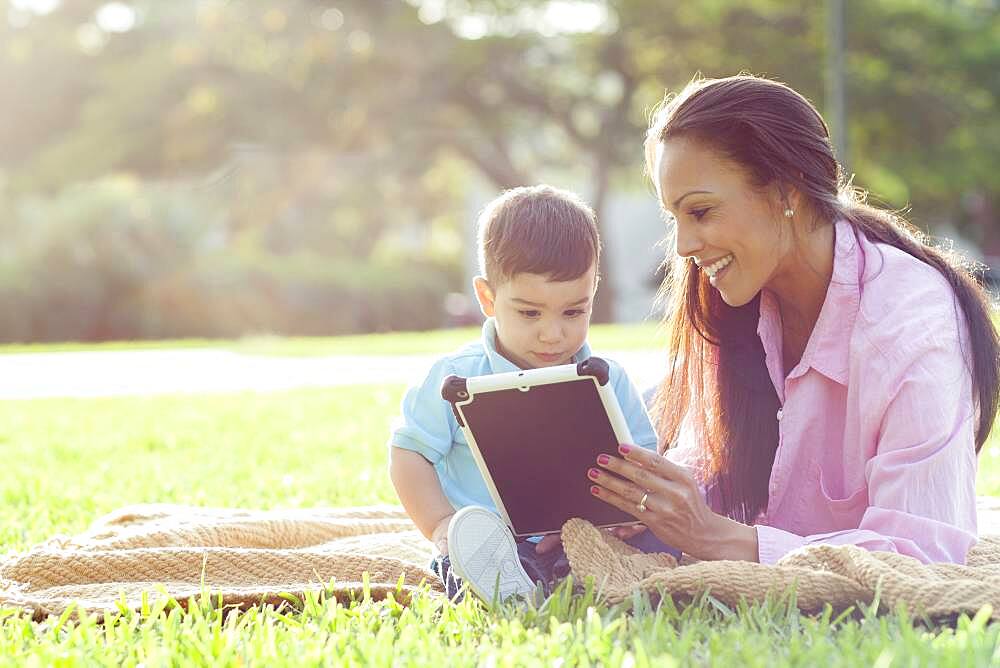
[642,502]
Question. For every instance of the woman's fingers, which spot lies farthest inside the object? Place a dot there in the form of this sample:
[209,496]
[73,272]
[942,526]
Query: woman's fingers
[610,496]
[645,477]
[648,459]
[651,472]
[670,491]
[622,487]
[664,496]
[639,500]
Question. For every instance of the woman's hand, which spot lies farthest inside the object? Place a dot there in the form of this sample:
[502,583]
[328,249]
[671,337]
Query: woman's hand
[665,498]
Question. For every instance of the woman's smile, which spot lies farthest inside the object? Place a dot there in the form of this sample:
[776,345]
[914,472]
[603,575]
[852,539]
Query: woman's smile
[715,269]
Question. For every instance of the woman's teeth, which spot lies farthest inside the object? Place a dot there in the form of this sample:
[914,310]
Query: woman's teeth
[716,267]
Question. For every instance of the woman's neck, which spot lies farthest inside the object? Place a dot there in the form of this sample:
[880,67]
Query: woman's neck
[802,284]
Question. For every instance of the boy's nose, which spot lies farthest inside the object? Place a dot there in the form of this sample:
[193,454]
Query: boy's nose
[550,332]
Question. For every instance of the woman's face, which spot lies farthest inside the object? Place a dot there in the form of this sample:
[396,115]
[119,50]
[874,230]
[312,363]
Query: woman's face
[731,230]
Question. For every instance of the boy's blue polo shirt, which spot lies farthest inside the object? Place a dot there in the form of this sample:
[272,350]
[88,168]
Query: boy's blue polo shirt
[428,426]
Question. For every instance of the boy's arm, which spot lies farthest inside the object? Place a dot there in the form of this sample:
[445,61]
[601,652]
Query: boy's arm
[421,436]
[419,491]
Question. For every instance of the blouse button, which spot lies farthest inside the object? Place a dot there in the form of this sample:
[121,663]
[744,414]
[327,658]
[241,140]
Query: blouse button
[780,413]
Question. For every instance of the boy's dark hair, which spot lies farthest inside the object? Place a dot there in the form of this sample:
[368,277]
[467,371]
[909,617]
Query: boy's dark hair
[537,230]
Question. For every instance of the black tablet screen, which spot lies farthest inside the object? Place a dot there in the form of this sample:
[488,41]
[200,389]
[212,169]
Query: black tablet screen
[538,445]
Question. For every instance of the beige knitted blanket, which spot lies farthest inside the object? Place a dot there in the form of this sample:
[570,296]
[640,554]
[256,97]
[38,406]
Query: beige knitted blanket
[252,557]
[841,576]
[245,557]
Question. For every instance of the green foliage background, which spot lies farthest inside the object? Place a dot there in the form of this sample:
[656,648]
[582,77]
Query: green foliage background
[296,167]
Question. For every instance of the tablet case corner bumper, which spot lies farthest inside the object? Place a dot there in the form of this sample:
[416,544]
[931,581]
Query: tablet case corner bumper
[596,367]
[454,389]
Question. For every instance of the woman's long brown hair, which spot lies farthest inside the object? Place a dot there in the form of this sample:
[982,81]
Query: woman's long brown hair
[717,383]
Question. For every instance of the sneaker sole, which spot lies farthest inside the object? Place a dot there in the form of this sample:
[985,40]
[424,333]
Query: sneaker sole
[484,554]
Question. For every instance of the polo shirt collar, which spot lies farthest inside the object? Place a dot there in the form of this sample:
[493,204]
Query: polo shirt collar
[828,348]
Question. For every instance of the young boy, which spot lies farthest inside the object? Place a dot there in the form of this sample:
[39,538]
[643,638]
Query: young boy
[538,254]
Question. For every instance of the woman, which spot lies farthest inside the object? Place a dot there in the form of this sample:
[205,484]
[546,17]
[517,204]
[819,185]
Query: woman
[832,378]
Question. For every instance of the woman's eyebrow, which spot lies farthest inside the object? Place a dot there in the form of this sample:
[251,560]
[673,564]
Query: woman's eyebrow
[677,202]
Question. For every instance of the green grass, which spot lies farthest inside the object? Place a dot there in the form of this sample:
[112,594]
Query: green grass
[68,461]
[565,631]
[602,337]
[73,459]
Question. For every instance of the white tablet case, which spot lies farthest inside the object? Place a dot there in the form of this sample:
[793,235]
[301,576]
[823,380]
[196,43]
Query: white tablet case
[534,434]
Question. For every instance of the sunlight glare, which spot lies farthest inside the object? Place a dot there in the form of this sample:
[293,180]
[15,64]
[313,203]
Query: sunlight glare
[472,26]
[115,17]
[431,11]
[559,17]
[332,19]
[90,38]
[566,16]
[35,6]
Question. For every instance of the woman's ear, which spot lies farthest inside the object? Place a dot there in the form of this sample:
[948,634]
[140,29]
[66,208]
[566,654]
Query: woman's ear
[789,197]
[485,296]
[795,200]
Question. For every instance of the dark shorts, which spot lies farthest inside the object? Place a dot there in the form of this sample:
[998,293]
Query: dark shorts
[548,568]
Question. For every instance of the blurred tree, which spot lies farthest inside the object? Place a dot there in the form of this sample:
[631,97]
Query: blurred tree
[924,92]
[529,98]
[526,99]
[339,129]
[195,84]
[220,93]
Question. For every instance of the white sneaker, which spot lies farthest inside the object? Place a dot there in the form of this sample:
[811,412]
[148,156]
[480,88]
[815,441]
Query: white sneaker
[483,553]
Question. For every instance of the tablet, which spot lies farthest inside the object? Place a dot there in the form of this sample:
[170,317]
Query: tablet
[534,434]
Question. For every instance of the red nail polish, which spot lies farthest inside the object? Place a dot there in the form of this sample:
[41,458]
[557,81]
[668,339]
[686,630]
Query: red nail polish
[593,473]
[595,490]
[603,459]
[624,449]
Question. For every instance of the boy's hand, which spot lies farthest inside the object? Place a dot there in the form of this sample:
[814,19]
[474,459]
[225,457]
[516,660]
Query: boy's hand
[625,533]
[548,543]
[440,535]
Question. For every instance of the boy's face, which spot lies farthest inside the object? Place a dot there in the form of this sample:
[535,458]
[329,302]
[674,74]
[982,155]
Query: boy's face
[539,322]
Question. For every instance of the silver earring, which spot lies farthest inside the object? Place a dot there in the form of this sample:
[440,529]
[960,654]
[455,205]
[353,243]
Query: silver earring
[789,213]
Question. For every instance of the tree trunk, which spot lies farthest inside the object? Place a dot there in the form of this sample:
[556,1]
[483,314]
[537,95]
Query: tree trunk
[604,303]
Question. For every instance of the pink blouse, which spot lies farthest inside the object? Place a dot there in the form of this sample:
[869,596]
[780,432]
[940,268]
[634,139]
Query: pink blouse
[877,421]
